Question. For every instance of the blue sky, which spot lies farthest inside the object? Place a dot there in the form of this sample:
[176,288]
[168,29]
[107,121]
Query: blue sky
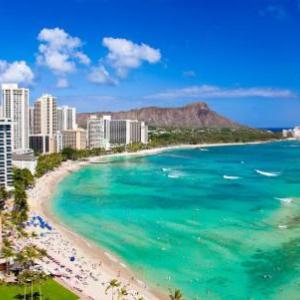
[241,57]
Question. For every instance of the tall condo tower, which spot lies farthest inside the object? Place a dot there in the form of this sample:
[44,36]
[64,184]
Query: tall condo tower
[31,120]
[66,118]
[6,173]
[45,115]
[15,106]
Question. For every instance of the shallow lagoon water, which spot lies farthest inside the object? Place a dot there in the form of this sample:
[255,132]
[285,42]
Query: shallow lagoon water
[218,224]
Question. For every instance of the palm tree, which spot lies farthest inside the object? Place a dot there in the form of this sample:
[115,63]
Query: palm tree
[122,292]
[114,283]
[27,278]
[177,295]
[7,253]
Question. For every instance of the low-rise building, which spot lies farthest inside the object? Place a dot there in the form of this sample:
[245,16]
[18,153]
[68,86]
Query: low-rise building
[75,139]
[25,161]
[40,143]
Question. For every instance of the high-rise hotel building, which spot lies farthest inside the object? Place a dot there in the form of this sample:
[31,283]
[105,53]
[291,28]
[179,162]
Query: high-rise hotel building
[44,137]
[106,133]
[98,132]
[15,106]
[31,120]
[6,172]
[45,115]
[66,118]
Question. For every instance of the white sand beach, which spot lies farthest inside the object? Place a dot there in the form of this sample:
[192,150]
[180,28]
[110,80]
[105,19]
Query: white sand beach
[92,269]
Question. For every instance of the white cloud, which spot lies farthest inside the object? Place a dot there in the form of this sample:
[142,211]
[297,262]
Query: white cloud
[209,91]
[60,52]
[62,83]
[189,73]
[15,72]
[124,54]
[100,75]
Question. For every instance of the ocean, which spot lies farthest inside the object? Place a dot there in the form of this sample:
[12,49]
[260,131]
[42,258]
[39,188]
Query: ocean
[217,223]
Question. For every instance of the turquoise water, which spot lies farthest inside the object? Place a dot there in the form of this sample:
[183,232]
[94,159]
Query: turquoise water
[176,221]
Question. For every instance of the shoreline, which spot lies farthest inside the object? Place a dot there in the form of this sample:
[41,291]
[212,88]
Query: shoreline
[110,266]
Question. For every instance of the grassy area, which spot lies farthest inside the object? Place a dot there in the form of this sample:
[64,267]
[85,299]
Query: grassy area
[50,290]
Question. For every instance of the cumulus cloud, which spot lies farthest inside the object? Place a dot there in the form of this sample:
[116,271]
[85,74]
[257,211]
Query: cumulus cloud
[62,83]
[124,55]
[210,91]
[60,52]
[100,75]
[16,72]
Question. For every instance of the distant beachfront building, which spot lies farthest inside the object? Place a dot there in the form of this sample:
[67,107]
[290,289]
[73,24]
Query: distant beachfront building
[6,172]
[296,132]
[66,118]
[125,132]
[106,133]
[75,139]
[15,106]
[291,133]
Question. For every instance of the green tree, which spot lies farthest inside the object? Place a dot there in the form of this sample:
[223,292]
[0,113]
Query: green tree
[20,210]
[70,154]
[122,292]
[113,284]
[7,253]
[3,197]
[23,177]
[176,295]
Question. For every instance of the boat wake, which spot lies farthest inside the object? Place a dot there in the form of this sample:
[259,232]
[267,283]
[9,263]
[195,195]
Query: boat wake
[285,200]
[227,177]
[175,174]
[268,174]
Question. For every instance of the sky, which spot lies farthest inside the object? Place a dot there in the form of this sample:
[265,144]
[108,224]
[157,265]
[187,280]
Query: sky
[240,57]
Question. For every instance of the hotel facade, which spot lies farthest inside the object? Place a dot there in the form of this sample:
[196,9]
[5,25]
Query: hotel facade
[66,118]
[15,106]
[75,139]
[6,169]
[107,133]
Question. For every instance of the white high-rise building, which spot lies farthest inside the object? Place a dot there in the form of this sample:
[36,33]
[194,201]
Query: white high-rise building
[98,132]
[6,172]
[31,120]
[45,115]
[66,118]
[15,106]
[107,133]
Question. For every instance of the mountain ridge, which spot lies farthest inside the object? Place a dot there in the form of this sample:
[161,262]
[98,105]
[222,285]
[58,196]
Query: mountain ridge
[193,115]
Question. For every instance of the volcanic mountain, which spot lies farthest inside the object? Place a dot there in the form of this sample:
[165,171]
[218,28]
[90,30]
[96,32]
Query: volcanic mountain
[195,115]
